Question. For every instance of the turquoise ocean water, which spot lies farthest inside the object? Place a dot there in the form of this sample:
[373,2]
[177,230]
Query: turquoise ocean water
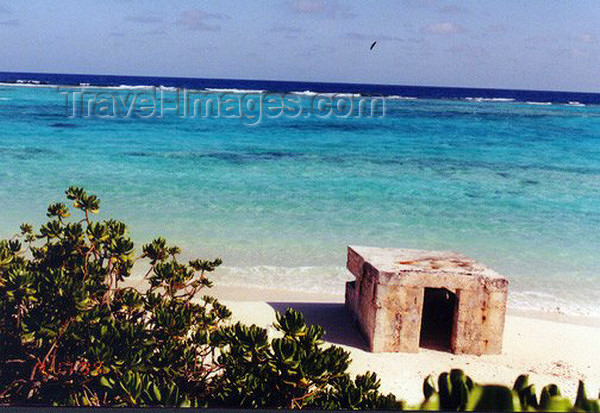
[513,184]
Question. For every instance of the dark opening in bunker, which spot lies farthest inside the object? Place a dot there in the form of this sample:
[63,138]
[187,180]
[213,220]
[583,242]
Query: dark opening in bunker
[437,319]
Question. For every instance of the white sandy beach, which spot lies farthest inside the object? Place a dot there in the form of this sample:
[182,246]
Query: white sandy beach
[550,349]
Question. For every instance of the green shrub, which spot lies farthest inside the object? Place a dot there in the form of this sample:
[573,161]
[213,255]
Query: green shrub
[292,371]
[72,335]
[456,391]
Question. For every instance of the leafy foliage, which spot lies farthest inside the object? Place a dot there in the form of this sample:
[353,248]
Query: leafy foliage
[456,391]
[62,305]
[292,371]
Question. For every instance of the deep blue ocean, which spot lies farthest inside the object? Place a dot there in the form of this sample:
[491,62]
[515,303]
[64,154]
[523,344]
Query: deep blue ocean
[511,178]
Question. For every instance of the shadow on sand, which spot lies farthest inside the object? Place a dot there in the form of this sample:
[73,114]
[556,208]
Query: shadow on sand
[333,317]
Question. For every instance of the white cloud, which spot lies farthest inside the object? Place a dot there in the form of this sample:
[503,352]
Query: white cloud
[445,28]
[381,38]
[196,19]
[155,32]
[452,9]
[496,28]
[324,8]
[420,3]
[287,29]
[308,6]
[587,38]
[11,22]
[542,39]
[144,18]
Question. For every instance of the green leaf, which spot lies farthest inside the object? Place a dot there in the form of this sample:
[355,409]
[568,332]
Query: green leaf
[493,398]
[428,387]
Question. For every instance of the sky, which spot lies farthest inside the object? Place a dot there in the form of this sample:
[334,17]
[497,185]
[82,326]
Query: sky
[513,44]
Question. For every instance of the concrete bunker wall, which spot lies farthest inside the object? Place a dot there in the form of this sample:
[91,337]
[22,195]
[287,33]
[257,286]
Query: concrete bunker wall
[389,307]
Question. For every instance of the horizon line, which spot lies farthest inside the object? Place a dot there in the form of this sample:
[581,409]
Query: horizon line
[307,81]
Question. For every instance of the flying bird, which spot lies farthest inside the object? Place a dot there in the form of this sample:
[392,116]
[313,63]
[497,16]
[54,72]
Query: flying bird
[373,45]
